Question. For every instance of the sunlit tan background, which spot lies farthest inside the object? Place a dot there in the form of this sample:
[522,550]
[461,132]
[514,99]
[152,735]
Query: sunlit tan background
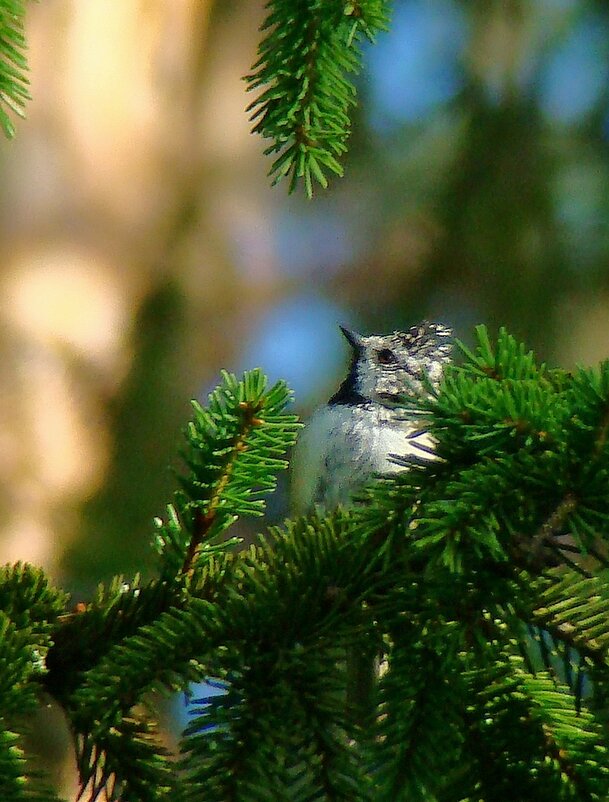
[142,249]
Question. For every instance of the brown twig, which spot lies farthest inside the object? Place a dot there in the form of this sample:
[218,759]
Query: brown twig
[203,521]
[550,528]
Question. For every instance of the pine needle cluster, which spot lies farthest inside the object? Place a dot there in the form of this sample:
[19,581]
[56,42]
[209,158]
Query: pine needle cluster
[309,50]
[476,582]
[13,65]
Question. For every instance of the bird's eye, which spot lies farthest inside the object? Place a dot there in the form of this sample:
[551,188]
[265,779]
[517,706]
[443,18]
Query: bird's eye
[386,357]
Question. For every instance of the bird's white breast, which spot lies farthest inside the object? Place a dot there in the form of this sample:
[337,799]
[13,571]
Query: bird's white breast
[344,447]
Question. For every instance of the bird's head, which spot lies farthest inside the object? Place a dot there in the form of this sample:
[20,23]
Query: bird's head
[386,367]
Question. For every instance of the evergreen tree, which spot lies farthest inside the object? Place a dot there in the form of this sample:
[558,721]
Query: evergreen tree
[480,577]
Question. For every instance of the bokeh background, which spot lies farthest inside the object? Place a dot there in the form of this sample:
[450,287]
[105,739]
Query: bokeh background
[142,250]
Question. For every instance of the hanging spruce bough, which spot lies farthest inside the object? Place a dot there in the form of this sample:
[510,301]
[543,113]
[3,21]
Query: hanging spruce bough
[480,580]
[13,65]
[309,50]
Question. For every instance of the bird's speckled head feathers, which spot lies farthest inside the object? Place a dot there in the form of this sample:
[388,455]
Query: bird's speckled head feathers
[385,367]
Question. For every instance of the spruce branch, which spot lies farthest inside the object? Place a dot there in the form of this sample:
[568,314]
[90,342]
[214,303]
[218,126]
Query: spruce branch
[83,637]
[153,633]
[28,598]
[22,661]
[203,522]
[525,732]
[18,783]
[13,64]
[277,732]
[532,551]
[574,610]
[234,450]
[310,47]
[125,762]
[415,720]
[21,665]
[243,620]
[445,569]
[519,459]
[28,609]
[115,744]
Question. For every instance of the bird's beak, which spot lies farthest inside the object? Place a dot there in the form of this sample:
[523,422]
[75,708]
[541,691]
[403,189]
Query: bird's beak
[354,339]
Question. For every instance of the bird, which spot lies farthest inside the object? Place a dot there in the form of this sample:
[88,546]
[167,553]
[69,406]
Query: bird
[362,431]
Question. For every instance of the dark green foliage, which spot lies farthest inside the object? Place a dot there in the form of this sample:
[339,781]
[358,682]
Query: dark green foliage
[29,609]
[309,49]
[282,723]
[524,733]
[105,656]
[26,596]
[124,762]
[276,734]
[13,66]
[14,785]
[478,580]
[155,634]
[421,729]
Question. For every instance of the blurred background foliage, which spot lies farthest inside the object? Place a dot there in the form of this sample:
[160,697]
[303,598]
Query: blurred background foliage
[142,248]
